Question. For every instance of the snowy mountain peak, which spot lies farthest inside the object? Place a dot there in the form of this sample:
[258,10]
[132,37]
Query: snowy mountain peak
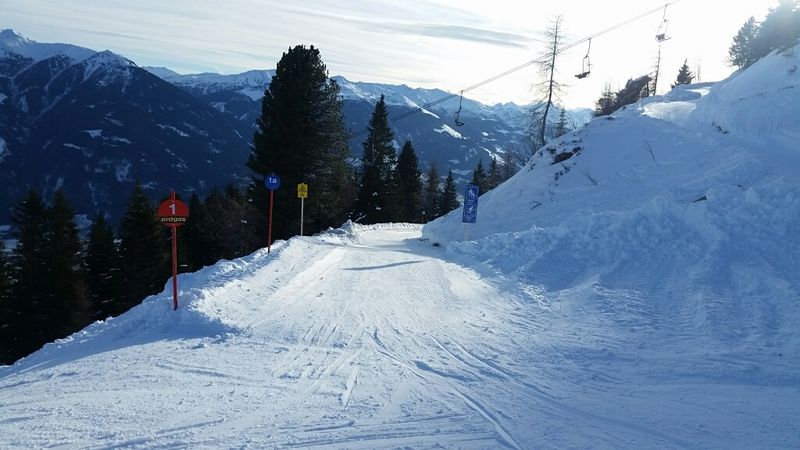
[108,63]
[10,39]
[12,42]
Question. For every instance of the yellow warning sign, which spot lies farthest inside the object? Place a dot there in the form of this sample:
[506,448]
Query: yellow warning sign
[302,190]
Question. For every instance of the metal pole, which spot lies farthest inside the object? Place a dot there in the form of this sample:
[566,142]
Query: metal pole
[269,232]
[302,202]
[174,268]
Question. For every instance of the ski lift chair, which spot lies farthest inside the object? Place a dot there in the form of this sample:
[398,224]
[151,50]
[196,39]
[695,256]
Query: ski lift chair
[586,65]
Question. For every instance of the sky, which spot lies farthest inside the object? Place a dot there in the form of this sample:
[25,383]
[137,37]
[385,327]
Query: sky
[445,44]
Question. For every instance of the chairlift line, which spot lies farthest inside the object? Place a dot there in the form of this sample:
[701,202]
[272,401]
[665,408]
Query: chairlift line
[521,66]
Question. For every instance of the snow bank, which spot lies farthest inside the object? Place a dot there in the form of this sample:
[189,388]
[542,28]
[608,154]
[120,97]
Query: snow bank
[677,218]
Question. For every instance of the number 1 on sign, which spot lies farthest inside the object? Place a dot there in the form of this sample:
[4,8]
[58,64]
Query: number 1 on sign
[172,208]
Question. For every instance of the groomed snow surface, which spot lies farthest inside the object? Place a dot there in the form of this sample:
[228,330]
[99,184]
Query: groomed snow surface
[642,293]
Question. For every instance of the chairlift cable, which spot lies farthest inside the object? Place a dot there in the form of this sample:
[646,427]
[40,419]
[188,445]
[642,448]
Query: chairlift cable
[519,67]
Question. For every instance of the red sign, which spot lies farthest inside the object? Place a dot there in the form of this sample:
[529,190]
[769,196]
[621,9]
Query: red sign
[173,212]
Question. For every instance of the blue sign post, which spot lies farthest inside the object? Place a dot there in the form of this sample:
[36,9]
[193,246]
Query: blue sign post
[470,213]
[272,182]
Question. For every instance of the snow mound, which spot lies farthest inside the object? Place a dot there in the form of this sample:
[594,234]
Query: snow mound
[677,217]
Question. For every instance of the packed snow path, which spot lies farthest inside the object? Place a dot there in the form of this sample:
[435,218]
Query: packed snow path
[366,339]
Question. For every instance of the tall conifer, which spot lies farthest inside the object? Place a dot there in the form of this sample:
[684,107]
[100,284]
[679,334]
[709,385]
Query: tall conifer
[144,250]
[408,176]
[301,137]
[432,195]
[449,195]
[103,271]
[378,191]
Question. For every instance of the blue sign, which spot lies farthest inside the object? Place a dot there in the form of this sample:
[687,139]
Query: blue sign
[470,214]
[272,182]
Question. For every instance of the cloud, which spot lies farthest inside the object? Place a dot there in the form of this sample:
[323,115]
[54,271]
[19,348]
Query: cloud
[457,32]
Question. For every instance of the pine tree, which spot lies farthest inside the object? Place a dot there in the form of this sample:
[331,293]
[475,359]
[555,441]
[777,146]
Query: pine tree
[780,29]
[480,179]
[301,137]
[449,195]
[103,271]
[64,275]
[144,250]
[408,178]
[378,197]
[7,312]
[562,127]
[606,104]
[31,324]
[685,75]
[198,243]
[494,177]
[742,52]
[432,196]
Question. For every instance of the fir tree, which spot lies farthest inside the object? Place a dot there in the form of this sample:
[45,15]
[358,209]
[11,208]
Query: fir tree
[494,177]
[780,29]
[144,250]
[449,195]
[301,137]
[562,126]
[377,196]
[32,323]
[64,275]
[742,52]
[606,104]
[480,179]
[685,76]
[8,314]
[432,196]
[198,243]
[103,271]
[408,178]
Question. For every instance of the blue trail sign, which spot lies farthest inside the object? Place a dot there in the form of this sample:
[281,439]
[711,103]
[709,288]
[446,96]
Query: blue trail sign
[470,213]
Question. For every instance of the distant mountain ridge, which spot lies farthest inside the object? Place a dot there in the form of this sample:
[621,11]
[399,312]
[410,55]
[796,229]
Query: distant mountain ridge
[95,123]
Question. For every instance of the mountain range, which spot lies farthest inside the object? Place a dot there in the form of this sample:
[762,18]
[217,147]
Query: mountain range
[95,123]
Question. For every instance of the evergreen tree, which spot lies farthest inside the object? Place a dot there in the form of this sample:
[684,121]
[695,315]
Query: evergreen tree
[780,29]
[494,177]
[449,195]
[606,104]
[198,243]
[408,178]
[432,196]
[144,250]
[634,90]
[7,313]
[32,323]
[742,52]
[562,126]
[480,179]
[64,275]
[227,215]
[301,137]
[685,76]
[378,197]
[103,271]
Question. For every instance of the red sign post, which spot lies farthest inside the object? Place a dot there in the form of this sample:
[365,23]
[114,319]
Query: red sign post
[173,213]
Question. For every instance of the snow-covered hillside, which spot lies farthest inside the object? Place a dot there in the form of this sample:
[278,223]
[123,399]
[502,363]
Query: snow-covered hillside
[635,286]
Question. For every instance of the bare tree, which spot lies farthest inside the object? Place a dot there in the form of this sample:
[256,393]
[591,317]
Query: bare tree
[549,89]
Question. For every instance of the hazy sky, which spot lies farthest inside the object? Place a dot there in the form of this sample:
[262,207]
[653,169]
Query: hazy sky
[447,44]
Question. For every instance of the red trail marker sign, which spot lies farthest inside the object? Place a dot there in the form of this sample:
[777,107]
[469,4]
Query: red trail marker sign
[173,213]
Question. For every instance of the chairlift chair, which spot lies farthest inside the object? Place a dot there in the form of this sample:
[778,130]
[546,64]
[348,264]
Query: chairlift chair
[661,34]
[586,65]
[458,122]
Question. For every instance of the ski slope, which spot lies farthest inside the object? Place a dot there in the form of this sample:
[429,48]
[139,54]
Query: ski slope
[368,337]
